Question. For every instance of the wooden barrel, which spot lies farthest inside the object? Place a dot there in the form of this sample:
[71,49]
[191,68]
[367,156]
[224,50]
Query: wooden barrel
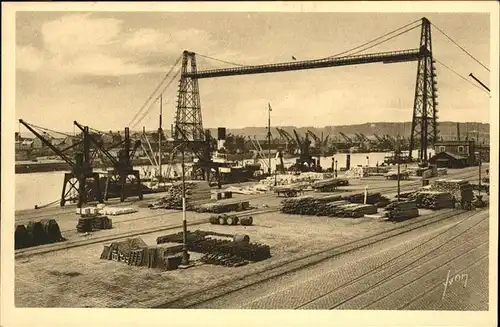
[246,221]
[239,238]
[232,220]
[222,220]
[214,220]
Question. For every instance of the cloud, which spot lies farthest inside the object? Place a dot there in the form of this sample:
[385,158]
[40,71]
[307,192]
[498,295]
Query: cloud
[28,58]
[73,34]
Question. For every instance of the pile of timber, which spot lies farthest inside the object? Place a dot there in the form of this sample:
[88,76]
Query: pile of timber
[399,211]
[376,199]
[462,190]
[90,224]
[332,206]
[223,207]
[221,259]
[195,192]
[36,233]
[135,252]
[433,200]
[330,184]
[230,220]
[232,246]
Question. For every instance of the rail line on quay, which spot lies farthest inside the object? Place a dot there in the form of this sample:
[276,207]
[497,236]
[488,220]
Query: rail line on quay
[303,261]
[65,245]
[467,174]
[401,269]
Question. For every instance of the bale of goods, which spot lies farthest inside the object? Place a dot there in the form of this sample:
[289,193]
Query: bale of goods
[84,225]
[101,222]
[52,231]
[36,233]
[246,221]
[21,237]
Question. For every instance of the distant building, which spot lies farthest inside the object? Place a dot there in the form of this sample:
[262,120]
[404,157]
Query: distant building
[455,154]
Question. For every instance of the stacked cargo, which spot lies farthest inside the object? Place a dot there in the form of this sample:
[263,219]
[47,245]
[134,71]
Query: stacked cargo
[331,206]
[330,184]
[230,220]
[36,233]
[89,224]
[223,207]
[195,192]
[399,211]
[135,252]
[462,190]
[376,199]
[232,251]
[433,200]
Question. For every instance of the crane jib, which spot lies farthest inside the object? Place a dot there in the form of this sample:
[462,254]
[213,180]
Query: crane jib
[383,57]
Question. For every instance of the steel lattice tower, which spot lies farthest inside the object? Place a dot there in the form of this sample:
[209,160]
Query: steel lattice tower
[424,123]
[188,114]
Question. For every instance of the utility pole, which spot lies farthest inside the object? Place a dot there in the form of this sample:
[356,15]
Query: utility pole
[397,161]
[269,136]
[185,255]
[160,134]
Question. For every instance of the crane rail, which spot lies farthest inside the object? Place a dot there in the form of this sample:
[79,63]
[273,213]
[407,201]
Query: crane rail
[384,57]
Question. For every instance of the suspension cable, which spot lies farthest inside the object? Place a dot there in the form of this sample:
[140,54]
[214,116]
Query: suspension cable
[145,113]
[460,75]
[223,61]
[376,39]
[449,38]
[154,92]
[392,37]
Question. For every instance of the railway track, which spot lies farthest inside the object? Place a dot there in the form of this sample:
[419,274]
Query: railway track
[355,294]
[54,247]
[300,262]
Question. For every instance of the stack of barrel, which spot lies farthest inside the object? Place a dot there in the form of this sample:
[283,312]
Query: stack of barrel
[230,220]
[399,211]
[36,233]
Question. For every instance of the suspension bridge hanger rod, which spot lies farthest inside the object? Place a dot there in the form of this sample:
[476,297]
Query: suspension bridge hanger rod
[384,57]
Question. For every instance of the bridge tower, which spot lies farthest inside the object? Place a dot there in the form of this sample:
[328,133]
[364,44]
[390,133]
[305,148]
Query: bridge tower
[188,114]
[424,129]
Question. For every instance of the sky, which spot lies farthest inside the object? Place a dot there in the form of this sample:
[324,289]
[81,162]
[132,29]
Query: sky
[100,67]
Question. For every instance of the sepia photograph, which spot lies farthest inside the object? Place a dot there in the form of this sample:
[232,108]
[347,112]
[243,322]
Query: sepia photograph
[244,156]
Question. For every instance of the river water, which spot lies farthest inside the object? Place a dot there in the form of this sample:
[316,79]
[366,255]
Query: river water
[43,188]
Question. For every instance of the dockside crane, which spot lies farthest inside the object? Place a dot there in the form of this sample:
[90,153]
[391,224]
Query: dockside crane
[347,139]
[81,184]
[123,178]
